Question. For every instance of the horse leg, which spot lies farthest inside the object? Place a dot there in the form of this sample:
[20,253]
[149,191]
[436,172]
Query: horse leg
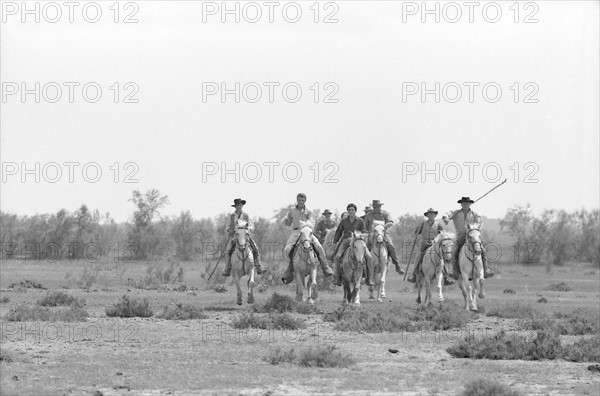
[419,288]
[251,285]
[251,282]
[346,299]
[440,277]
[384,270]
[480,285]
[313,286]
[463,287]
[299,285]
[239,288]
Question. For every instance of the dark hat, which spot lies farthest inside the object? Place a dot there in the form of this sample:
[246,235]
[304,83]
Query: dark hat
[238,201]
[377,202]
[465,199]
[368,208]
[326,212]
[430,210]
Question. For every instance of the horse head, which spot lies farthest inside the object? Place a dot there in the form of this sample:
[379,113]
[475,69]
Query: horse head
[241,230]
[359,246]
[378,231]
[445,242]
[306,233]
[474,238]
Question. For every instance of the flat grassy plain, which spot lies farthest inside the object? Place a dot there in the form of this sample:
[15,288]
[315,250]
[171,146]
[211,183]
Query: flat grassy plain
[208,356]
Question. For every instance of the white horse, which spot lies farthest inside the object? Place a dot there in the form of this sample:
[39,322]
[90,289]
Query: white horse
[242,261]
[432,267]
[380,256]
[471,267]
[305,264]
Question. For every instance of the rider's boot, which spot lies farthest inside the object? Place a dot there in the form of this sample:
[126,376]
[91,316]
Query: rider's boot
[338,271]
[227,271]
[288,276]
[327,271]
[487,271]
[369,280]
[258,266]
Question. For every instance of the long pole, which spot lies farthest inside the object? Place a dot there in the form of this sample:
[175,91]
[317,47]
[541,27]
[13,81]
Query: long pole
[410,257]
[225,248]
[491,190]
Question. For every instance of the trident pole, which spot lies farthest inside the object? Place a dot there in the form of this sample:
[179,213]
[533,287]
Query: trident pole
[225,248]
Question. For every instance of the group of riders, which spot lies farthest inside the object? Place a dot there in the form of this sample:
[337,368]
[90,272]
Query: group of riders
[351,223]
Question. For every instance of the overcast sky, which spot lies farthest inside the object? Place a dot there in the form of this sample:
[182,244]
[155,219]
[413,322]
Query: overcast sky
[372,142]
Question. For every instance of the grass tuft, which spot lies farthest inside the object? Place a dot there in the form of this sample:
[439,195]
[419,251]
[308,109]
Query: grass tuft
[27,284]
[129,307]
[560,287]
[276,321]
[59,298]
[181,311]
[315,356]
[483,387]
[30,313]
[516,310]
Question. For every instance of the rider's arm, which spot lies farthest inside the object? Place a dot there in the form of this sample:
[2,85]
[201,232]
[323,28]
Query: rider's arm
[288,220]
[361,226]
[448,216]
[477,219]
[250,223]
[338,233]
[388,221]
[231,227]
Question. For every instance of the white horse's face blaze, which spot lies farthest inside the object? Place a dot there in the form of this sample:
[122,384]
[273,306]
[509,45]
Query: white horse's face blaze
[240,232]
[306,236]
[378,231]
[474,238]
[359,246]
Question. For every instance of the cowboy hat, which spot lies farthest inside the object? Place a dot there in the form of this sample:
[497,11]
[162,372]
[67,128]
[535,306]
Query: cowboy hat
[465,199]
[326,212]
[368,208]
[238,201]
[430,210]
[377,202]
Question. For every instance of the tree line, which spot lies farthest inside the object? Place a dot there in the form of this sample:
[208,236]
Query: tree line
[554,237]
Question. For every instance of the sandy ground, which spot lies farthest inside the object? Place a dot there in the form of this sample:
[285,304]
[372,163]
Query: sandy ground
[154,356]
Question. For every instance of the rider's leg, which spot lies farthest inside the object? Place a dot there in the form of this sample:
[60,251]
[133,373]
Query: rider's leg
[392,252]
[327,271]
[369,266]
[342,245]
[487,271]
[256,254]
[230,247]
[460,242]
[288,276]
[413,277]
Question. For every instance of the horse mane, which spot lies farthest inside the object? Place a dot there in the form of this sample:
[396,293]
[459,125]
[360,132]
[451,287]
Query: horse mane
[444,235]
[378,222]
[308,223]
[242,224]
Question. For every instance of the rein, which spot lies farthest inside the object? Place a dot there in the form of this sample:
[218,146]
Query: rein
[245,253]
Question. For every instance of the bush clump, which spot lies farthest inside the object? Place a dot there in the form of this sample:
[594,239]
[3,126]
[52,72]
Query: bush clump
[276,321]
[181,311]
[560,287]
[129,307]
[59,298]
[25,312]
[516,310]
[315,356]
[483,387]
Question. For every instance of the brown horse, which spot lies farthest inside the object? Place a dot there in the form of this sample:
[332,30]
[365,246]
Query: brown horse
[435,258]
[353,261]
[471,267]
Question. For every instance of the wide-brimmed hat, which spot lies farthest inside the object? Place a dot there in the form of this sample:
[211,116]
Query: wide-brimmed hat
[430,210]
[368,208]
[465,199]
[377,202]
[326,212]
[238,201]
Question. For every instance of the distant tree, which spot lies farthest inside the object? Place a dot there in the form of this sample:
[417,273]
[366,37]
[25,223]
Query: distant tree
[143,233]
[518,223]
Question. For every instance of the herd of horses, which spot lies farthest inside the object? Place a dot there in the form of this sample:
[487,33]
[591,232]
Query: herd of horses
[305,262]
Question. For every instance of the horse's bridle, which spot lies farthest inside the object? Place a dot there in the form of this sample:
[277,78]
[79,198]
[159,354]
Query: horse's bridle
[471,246]
[302,248]
[243,249]
[440,245]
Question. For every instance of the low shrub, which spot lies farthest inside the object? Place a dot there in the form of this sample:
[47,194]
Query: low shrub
[27,284]
[546,345]
[276,321]
[315,356]
[59,298]
[483,387]
[4,300]
[560,287]
[158,276]
[128,307]
[181,312]
[31,313]
[516,310]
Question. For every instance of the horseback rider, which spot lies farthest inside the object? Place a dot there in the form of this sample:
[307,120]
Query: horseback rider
[382,215]
[343,235]
[428,230]
[296,214]
[323,226]
[239,214]
[368,208]
[461,218]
